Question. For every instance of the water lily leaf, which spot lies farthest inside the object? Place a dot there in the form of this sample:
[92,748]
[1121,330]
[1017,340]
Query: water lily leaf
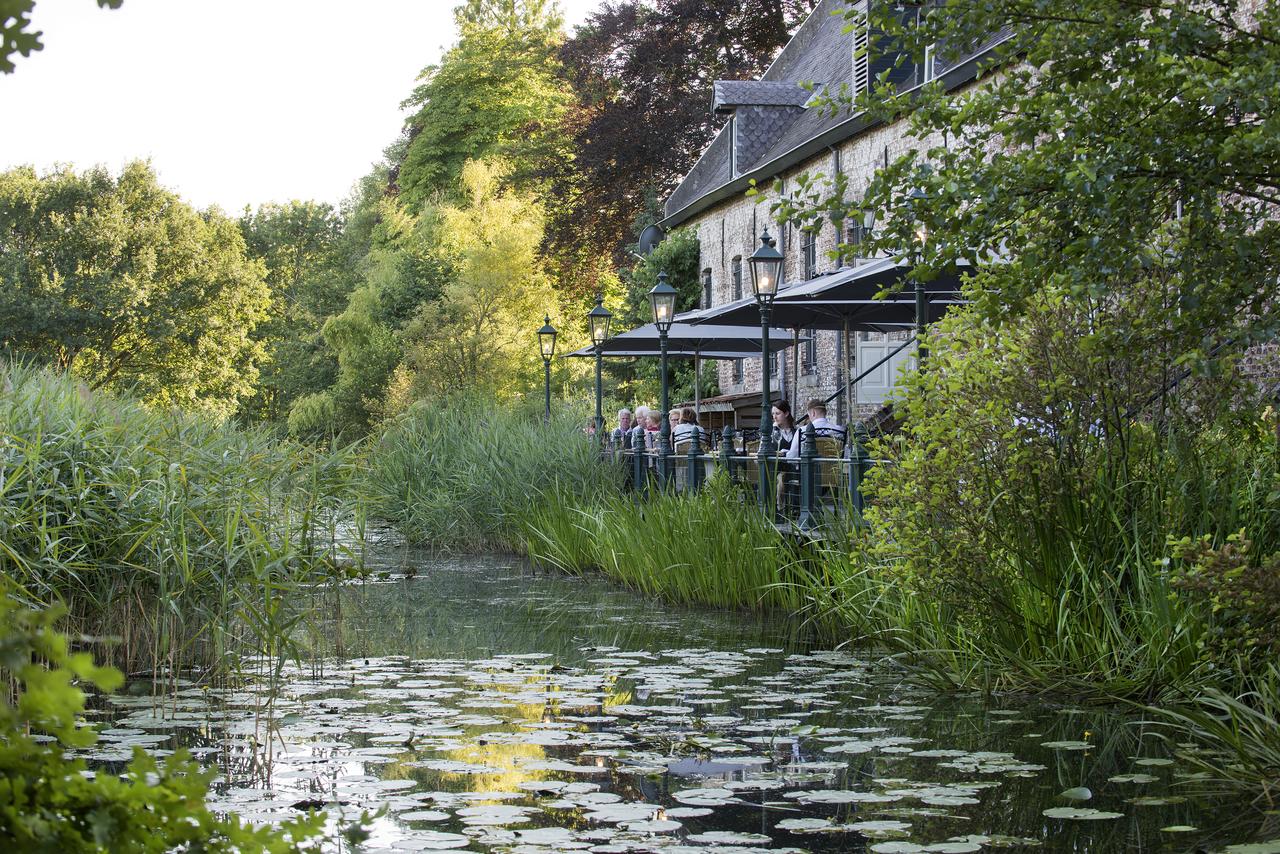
[1079,793]
[1067,745]
[1080,813]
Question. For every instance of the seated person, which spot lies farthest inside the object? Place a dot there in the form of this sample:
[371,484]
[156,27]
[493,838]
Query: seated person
[822,428]
[623,428]
[687,427]
[784,426]
[653,429]
[638,428]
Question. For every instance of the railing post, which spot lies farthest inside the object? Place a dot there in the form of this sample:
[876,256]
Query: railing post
[638,462]
[858,458]
[726,452]
[808,487]
[664,454]
[694,477]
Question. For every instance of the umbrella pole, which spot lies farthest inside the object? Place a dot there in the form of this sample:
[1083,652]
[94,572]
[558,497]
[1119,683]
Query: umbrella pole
[849,399]
[697,384]
[795,367]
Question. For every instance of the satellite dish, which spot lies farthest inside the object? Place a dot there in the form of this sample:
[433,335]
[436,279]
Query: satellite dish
[650,237]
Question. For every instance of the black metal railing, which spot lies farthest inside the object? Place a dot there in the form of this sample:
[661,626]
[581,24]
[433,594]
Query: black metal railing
[823,484]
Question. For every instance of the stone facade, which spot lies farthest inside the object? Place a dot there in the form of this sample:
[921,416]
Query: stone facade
[763,125]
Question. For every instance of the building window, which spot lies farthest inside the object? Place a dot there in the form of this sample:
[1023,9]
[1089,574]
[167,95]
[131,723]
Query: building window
[706,288]
[774,361]
[737,277]
[809,353]
[809,253]
[737,370]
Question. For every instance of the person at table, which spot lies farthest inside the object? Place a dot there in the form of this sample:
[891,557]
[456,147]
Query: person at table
[823,428]
[640,423]
[784,426]
[652,431]
[623,428]
[687,427]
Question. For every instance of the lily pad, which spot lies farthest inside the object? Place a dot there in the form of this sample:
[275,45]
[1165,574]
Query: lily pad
[1080,813]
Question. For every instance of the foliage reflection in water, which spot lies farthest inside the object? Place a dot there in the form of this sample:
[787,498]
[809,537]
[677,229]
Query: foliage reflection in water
[489,707]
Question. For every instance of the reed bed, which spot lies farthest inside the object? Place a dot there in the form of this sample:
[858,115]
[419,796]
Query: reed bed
[710,548]
[173,541]
[461,474]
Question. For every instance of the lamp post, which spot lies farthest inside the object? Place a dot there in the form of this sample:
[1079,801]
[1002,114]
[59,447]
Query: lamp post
[766,271]
[599,318]
[663,300]
[547,344]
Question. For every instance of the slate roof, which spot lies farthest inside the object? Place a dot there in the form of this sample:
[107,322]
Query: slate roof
[729,94]
[819,53]
[770,122]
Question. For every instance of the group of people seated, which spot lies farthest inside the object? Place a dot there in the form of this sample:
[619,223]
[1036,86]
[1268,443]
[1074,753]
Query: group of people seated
[641,430]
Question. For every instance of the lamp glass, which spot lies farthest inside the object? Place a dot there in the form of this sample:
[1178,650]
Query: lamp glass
[766,269]
[663,300]
[547,340]
[600,318]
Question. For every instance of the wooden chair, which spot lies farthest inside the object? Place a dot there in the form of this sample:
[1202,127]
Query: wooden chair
[829,479]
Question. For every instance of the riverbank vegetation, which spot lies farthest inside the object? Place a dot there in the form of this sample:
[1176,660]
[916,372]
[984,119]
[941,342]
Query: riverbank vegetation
[172,541]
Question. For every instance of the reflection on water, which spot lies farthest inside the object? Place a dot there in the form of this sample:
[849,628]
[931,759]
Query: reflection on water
[489,707]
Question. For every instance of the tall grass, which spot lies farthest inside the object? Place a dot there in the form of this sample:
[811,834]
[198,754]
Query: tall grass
[462,474]
[180,539]
[711,548]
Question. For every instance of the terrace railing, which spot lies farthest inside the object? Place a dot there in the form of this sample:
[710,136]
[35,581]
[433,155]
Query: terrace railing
[824,485]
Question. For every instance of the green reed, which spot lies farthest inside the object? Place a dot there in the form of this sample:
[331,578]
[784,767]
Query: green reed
[710,547]
[460,474]
[175,541]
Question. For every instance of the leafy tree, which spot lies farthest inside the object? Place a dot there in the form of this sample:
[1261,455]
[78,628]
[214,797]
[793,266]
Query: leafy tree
[402,268]
[642,73]
[677,256]
[15,17]
[119,281]
[476,335]
[496,93]
[299,243]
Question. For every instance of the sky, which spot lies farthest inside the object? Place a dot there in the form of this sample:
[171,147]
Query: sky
[235,102]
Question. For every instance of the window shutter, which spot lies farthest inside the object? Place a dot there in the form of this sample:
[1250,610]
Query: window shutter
[861,79]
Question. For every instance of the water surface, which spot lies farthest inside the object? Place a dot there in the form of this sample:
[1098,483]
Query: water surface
[489,707]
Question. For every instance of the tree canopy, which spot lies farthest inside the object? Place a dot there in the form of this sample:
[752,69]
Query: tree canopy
[497,92]
[642,74]
[119,281]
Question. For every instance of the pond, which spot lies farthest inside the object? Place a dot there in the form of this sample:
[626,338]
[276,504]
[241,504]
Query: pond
[489,707]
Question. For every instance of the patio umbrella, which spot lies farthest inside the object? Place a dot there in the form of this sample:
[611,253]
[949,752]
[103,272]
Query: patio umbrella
[845,300]
[698,342]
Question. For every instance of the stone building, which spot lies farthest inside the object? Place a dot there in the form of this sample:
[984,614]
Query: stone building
[775,130]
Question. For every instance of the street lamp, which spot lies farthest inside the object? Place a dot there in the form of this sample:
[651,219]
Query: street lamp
[663,300]
[599,318]
[766,272]
[547,344]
